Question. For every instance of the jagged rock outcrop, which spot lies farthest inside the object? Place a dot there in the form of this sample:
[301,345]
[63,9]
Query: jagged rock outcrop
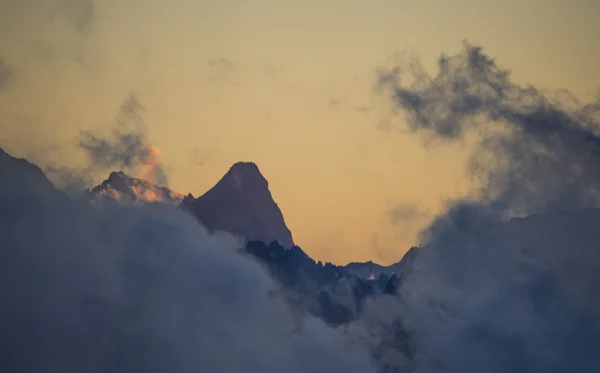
[128,190]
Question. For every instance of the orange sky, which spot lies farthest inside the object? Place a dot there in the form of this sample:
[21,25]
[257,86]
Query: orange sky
[280,83]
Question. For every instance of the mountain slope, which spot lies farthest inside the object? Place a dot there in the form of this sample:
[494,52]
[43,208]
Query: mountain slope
[128,190]
[241,203]
[24,185]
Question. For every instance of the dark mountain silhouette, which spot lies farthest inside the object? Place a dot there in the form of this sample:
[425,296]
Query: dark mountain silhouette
[19,171]
[327,291]
[336,296]
[241,203]
[25,186]
[128,190]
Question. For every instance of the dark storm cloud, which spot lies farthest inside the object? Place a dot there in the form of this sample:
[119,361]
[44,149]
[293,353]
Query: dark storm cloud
[142,289]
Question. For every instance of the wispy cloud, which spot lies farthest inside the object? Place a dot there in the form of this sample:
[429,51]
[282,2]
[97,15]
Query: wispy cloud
[7,75]
[201,157]
[78,14]
[404,212]
[221,70]
[126,147]
[534,152]
[221,64]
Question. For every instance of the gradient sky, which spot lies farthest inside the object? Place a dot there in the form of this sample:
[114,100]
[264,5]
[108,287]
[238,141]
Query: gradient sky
[286,84]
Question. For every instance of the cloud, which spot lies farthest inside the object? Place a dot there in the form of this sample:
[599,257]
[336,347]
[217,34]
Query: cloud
[514,296]
[221,64]
[126,148]
[364,109]
[269,71]
[72,181]
[403,212]
[78,14]
[340,104]
[7,75]
[221,70]
[142,289]
[535,152]
[334,104]
[201,157]
[492,294]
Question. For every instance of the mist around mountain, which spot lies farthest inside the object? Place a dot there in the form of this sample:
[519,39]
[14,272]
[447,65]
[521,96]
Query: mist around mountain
[326,291]
[141,288]
[241,204]
[136,287]
[504,281]
[123,279]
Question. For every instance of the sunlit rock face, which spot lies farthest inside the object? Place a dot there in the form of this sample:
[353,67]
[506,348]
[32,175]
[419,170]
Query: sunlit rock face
[128,190]
[241,203]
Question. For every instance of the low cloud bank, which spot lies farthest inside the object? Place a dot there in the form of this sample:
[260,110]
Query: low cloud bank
[141,289]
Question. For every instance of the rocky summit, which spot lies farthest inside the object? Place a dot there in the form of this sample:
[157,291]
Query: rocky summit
[241,203]
[129,190]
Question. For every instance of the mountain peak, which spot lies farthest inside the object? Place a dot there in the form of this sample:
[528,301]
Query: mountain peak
[248,166]
[241,203]
[125,189]
[245,176]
